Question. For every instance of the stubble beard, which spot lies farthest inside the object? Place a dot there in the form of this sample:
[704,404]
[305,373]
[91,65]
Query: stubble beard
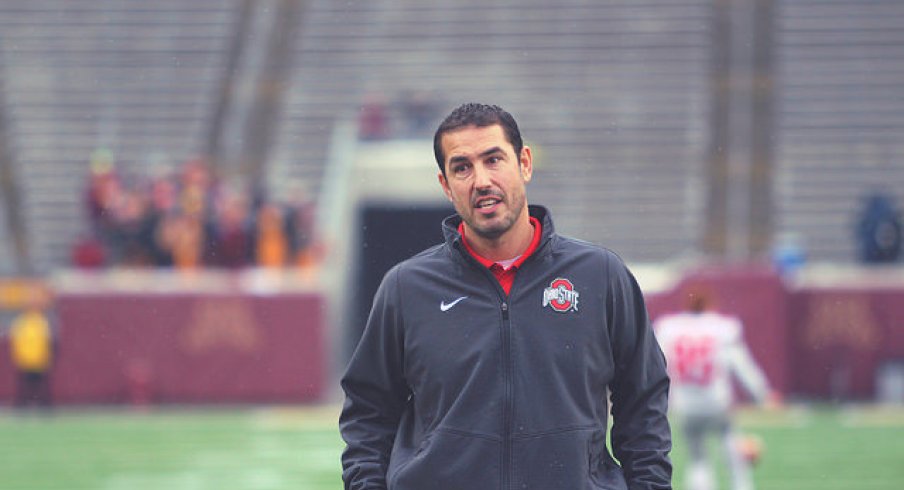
[495,229]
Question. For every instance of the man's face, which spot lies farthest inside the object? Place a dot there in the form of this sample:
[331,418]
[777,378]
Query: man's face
[484,179]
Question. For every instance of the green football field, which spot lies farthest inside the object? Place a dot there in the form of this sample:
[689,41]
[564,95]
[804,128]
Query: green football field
[289,448]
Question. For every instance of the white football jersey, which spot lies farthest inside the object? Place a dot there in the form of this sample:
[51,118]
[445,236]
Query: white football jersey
[704,351]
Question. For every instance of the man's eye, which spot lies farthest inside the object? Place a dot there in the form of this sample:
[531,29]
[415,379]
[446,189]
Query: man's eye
[494,160]
[460,169]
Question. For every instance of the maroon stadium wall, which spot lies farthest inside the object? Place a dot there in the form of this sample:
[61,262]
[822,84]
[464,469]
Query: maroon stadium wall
[820,341]
[841,337]
[187,348]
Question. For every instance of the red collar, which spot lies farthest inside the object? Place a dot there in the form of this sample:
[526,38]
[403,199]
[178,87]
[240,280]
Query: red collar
[534,243]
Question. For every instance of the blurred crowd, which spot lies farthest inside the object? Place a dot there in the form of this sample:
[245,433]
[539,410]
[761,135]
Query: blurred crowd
[410,114]
[189,218]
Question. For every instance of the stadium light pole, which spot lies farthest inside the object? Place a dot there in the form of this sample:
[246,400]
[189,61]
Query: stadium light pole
[222,107]
[270,89]
[716,172]
[761,193]
[739,164]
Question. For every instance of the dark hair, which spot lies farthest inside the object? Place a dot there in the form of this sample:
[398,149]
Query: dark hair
[480,115]
[697,301]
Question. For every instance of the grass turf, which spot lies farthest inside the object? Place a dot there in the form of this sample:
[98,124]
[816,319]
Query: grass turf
[276,448]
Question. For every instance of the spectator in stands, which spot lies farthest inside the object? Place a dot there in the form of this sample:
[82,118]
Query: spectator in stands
[133,229]
[103,190]
[180,208]
[229,239]
[182,235]
[300,225]
[32,349]
[88,253]
[271,243]
[420,111]
[196,184]
[373,118]
[879,230]
[104,196]
[789,254]
[163,205]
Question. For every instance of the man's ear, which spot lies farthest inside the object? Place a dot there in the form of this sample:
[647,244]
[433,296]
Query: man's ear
[527,163]
[445,185]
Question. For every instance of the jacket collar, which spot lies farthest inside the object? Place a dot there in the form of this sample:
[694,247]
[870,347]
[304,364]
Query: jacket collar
[453,237]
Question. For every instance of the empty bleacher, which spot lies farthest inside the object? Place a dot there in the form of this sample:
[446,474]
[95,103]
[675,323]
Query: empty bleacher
[612,95]
[839,118]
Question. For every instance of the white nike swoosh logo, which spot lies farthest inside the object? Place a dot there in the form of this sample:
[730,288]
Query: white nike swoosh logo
[443,306]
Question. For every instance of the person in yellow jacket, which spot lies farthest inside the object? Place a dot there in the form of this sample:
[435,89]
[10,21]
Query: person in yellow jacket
[32,350]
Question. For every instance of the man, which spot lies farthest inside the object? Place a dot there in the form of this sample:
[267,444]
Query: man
[486,360]
[705,350]
[879,230]
[31,349]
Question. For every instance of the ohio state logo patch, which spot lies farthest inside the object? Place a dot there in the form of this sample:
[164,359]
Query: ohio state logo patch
[561,296]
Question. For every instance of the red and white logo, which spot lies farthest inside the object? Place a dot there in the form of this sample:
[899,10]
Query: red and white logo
[561,296]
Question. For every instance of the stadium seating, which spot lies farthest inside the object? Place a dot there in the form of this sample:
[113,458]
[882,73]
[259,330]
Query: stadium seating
[613,96]
[839,118]
[135,77]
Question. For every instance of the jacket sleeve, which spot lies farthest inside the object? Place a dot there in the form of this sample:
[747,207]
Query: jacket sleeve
[375,392]
[641,438]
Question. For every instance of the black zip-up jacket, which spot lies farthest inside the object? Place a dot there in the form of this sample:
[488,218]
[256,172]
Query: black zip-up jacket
[457,386]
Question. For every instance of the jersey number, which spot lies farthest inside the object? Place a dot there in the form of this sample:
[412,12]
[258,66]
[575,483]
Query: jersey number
[693,360]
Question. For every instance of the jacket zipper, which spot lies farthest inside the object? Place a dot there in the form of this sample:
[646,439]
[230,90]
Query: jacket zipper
[507,408]
[508,370]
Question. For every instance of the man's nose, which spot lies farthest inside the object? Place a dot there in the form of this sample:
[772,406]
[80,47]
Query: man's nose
[482,178]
